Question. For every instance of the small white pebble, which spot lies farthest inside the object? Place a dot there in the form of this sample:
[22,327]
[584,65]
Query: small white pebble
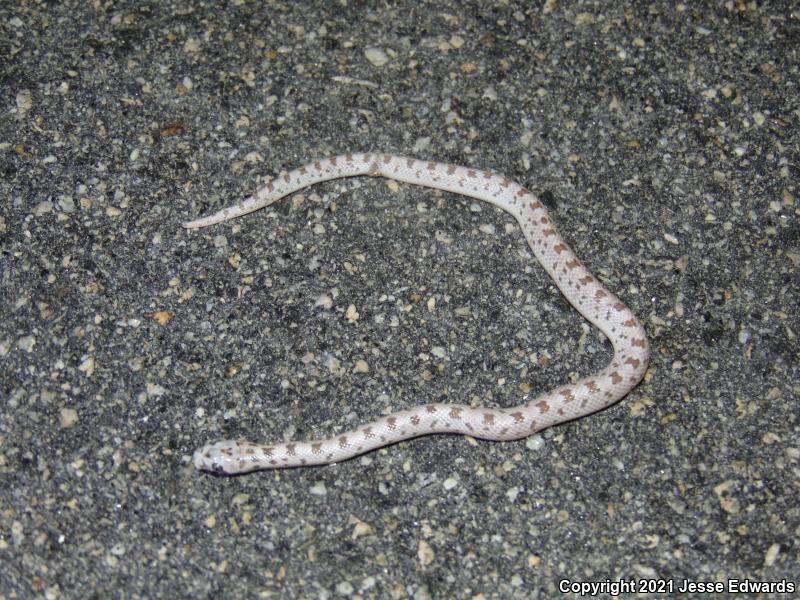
[425,553]
[24,100]
[368,583]
[351,314]
[376,56]
[87,366]
[334,365]
[671,238]
[344,588]
[361,529]
[191,46]
[27,343]
[772,554]
[67,204]
[67,417]
[42,208]
[534,442]
[324,301]
[154,390]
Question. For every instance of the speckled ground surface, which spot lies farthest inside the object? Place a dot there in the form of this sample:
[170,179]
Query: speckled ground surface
[664,138]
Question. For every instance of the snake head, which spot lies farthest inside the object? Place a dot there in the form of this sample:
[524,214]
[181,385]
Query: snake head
[219,458]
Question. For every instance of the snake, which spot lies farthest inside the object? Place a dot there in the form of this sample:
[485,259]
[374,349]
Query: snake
[583,290]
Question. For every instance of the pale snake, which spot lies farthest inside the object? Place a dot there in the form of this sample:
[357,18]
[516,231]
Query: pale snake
[579,286]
